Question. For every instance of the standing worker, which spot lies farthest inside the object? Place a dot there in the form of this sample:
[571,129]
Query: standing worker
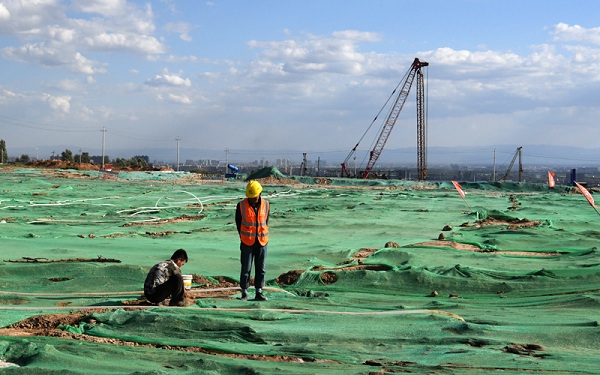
[252,221]
[165,281]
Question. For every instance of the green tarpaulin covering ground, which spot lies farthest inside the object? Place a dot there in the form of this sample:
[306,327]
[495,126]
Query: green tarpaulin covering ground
[364,276]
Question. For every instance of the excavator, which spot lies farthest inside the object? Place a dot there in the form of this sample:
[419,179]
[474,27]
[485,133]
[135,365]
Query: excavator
[406,84]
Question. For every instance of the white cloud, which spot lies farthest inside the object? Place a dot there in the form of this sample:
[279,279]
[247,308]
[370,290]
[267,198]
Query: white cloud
[181,28]
[183,99]
[566,33]
[80,64]
[4,13]
[52,36]
[61,34]
[50,56]
[338,53]
[58,103]
[124,41]
[36,52]
[168,79]
[106,8]
[355,35]
[7,94]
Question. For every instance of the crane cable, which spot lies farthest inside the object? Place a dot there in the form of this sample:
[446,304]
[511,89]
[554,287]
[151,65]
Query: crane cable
[375,119]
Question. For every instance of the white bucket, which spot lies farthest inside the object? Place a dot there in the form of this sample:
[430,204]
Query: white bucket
[187,282]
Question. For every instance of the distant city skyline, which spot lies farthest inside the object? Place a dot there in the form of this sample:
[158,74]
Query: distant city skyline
[531,155]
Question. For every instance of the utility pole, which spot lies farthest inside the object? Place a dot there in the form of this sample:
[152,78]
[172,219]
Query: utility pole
[318,165]
[226,159]
[494,172]
[79,156]
[103,141]
[178,139]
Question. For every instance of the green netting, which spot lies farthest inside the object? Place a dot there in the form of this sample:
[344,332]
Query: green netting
[513,287]
[265,172]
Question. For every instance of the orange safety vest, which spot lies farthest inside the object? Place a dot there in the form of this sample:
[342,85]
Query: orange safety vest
[252,227]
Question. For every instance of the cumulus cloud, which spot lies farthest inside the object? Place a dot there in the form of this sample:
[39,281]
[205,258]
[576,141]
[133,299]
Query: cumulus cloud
[58,103]
[337,53]
[168,79]
[566,33]
[53,36]
[35,52]
[4,13]
[183,99]
[125,42]
[106,8]
[50,56]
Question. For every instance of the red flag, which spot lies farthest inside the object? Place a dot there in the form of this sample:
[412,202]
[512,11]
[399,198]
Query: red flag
[586,194]
[551,179]
[459,188]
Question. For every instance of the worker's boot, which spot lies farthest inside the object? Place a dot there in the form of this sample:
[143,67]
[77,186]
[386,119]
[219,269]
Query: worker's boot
[260,296]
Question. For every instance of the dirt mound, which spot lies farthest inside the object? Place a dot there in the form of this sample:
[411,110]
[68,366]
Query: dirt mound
[289,277]
[329,276]
[511,224]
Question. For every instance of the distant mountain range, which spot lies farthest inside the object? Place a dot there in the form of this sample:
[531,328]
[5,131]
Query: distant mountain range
[539,155]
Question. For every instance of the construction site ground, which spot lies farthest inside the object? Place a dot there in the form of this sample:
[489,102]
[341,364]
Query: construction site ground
[363,276]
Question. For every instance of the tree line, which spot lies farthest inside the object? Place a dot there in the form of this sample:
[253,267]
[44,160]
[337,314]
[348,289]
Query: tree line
[138,161]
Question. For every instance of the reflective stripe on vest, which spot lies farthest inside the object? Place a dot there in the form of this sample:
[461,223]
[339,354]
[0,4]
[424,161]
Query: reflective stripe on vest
[253,227]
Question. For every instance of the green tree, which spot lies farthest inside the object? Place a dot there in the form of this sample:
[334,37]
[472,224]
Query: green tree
[120,162]
[84,157]
[66,155]
[24,159]
[3,153]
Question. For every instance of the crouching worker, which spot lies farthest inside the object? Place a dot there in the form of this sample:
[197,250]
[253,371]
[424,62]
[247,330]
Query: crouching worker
[165,280]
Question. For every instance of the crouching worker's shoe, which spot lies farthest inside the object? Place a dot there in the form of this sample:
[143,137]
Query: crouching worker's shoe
[260,297]
[182,303]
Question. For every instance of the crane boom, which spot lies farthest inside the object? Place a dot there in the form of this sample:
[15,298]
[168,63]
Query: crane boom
[517,153]
[414,71]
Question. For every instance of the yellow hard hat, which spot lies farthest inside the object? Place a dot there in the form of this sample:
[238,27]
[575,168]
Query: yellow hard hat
[253,189]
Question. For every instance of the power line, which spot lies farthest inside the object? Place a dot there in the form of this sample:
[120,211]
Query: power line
[11,121]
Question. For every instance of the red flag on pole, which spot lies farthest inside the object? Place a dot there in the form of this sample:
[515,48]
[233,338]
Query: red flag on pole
[551,179]
[459,188]
[586,194]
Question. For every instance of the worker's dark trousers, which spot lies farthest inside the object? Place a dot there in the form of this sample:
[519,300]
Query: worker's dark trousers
[258,254]
[172,287]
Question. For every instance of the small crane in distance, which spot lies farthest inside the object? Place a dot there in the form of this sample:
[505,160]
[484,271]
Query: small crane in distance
[517,153]
[407,82]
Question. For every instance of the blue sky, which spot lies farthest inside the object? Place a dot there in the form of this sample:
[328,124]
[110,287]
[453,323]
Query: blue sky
[294,75]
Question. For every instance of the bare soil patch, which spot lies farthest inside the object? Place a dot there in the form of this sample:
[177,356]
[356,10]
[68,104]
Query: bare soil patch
[329,276]
[289,277]
[467,247]
[510,224]
[180,219]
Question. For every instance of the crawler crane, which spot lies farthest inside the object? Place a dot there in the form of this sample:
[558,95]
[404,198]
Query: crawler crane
[517,153]
[406,83]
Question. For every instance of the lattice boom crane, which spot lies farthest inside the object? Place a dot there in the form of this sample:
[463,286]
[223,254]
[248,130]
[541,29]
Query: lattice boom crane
[407,82]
